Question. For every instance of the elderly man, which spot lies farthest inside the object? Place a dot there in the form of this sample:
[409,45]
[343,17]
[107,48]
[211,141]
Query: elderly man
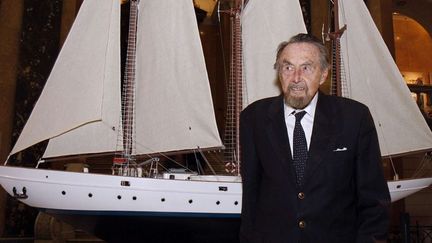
[311,164]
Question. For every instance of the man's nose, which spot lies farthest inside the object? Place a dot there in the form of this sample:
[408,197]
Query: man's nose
[297,75]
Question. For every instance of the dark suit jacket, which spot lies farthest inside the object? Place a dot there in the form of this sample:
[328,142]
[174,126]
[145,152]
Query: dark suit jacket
[344,196]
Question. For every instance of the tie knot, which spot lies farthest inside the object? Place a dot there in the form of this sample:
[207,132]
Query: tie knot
[299,115]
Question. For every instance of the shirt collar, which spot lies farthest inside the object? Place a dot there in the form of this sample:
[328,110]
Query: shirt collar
[310,108]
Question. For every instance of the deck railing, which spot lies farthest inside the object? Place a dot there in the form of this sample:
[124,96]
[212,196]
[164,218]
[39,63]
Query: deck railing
[406,233]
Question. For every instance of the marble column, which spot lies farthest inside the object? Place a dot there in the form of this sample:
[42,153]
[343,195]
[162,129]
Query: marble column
[10,30]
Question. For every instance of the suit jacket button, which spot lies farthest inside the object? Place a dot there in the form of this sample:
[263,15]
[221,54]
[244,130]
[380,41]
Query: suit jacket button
[302,224]
[301,195]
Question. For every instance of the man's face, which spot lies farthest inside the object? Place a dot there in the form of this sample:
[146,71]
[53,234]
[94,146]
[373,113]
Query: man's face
[300,73]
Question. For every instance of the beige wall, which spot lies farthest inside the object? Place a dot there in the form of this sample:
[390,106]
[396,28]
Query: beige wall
[420,10]
[413,48]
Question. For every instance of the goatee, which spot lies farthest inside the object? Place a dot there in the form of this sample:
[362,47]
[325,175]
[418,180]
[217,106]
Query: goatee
[297,102]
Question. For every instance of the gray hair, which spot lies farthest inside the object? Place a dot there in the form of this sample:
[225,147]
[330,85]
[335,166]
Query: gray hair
[304,38]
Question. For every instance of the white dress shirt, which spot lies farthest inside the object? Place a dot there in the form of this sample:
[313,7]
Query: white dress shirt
[307,121]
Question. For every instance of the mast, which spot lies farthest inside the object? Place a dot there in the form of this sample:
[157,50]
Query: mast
[128,94]
[253,44]
[235,92]
[337,68]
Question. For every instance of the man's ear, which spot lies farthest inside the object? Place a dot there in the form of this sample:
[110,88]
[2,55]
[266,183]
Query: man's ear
[324,76]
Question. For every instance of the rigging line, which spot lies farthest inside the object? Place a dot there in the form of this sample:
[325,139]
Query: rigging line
[200,170]
[207,162]
[424,166]
[222,45]
[345,86]
[163,167]
[230,112]
[244,91]
[162,155]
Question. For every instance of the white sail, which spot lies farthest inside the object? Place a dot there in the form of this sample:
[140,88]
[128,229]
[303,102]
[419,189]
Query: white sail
[265,24]
[174,109]
[82,90]
[374,79]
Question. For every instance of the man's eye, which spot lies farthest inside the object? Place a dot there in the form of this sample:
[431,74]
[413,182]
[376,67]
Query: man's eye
[288,67]
[307,68]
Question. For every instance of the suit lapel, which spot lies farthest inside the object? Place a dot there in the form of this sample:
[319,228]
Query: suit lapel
[278,136]
[324,130]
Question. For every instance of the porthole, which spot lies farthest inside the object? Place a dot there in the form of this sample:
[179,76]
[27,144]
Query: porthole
[190,201]
[63,193]
[162,199]
[90,195]
[235,203]
[217,202]
[134,198]
[118,197]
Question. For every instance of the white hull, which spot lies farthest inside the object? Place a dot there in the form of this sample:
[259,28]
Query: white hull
[60,190]
[212,195]
[403,188]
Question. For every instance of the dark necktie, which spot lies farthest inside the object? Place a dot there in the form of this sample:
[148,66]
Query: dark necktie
[299,148]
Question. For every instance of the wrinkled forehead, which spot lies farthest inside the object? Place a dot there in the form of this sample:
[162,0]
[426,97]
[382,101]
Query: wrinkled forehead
[299,53]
